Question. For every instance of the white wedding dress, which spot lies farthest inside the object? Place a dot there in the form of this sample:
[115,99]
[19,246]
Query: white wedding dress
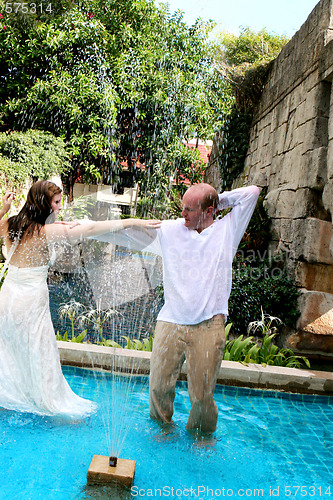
[31,379]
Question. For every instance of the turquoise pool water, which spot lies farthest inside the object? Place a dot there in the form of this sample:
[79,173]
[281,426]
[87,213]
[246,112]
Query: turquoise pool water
[267,445]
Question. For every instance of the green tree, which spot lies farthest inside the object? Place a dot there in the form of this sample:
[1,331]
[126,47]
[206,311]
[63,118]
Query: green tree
[32,154]
[53,83]
[244,61]
[119,81]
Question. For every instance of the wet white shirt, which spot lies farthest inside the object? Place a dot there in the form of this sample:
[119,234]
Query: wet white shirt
[197,267]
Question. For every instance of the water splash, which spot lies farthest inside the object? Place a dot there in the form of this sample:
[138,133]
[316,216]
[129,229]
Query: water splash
[117,290]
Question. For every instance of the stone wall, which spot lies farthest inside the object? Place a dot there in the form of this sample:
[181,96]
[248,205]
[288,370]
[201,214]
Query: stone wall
[291,154]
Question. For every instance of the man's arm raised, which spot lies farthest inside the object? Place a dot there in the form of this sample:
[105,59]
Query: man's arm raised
[242,201]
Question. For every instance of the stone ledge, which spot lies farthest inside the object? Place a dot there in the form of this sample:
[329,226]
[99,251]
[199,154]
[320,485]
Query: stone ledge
[311,344]
[231,373]
[317,313]
[108,358]
[277,378]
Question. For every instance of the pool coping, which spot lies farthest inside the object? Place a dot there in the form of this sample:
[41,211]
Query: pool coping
[231,373]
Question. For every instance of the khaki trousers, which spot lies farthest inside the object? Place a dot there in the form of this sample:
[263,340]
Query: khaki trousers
[202,346]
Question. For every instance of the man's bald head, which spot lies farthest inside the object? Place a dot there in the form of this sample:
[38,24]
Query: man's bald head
[206,195]
[199,204]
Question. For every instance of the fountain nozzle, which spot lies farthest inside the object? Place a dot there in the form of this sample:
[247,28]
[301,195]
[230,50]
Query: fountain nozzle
[105,470]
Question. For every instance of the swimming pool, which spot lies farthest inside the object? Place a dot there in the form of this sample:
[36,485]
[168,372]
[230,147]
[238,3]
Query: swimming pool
[267,445]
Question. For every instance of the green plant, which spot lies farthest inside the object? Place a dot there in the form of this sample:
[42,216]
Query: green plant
[260,284]
[77,339]
[126,84]
[73,311]
[265,325]
[245,350]
[110,343]
[243,61]
[97,317]
[236,349]
[31,154]
[145,345]
[135,344]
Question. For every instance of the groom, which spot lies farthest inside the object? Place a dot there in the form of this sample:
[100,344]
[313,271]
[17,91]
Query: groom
[197,253]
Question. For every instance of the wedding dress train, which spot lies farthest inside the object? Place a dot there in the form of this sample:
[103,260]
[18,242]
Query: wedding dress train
[31,379]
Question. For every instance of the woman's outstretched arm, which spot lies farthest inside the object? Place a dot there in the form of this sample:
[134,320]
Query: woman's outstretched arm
[95,228]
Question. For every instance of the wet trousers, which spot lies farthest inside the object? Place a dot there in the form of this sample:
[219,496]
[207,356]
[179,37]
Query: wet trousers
[202,346]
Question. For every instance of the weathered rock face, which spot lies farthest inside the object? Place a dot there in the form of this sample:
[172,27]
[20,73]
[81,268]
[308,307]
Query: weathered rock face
[291,154]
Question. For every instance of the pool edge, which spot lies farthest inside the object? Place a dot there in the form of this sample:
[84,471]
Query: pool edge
[293,380]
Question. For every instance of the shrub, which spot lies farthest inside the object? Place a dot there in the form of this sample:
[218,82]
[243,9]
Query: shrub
[264,352]
[79,339]
[32,154]
[261,285]
[134,344]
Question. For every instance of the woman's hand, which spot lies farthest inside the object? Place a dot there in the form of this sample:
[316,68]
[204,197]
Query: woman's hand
[143,224]
[71,223]
[6,202]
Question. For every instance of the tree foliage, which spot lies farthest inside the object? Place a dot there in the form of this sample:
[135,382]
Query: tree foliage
[118,81]
[243,61]
[32,154]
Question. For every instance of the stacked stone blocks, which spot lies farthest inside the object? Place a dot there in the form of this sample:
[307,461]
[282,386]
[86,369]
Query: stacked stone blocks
[291,155]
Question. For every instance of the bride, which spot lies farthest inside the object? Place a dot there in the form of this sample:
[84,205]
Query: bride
[31,379]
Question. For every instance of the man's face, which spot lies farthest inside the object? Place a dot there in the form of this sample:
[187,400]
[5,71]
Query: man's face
[192,212]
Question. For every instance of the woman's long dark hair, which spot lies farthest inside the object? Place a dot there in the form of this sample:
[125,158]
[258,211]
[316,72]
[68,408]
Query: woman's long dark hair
[35,211]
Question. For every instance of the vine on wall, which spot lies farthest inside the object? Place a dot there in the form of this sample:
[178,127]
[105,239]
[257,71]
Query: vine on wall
[244,62]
